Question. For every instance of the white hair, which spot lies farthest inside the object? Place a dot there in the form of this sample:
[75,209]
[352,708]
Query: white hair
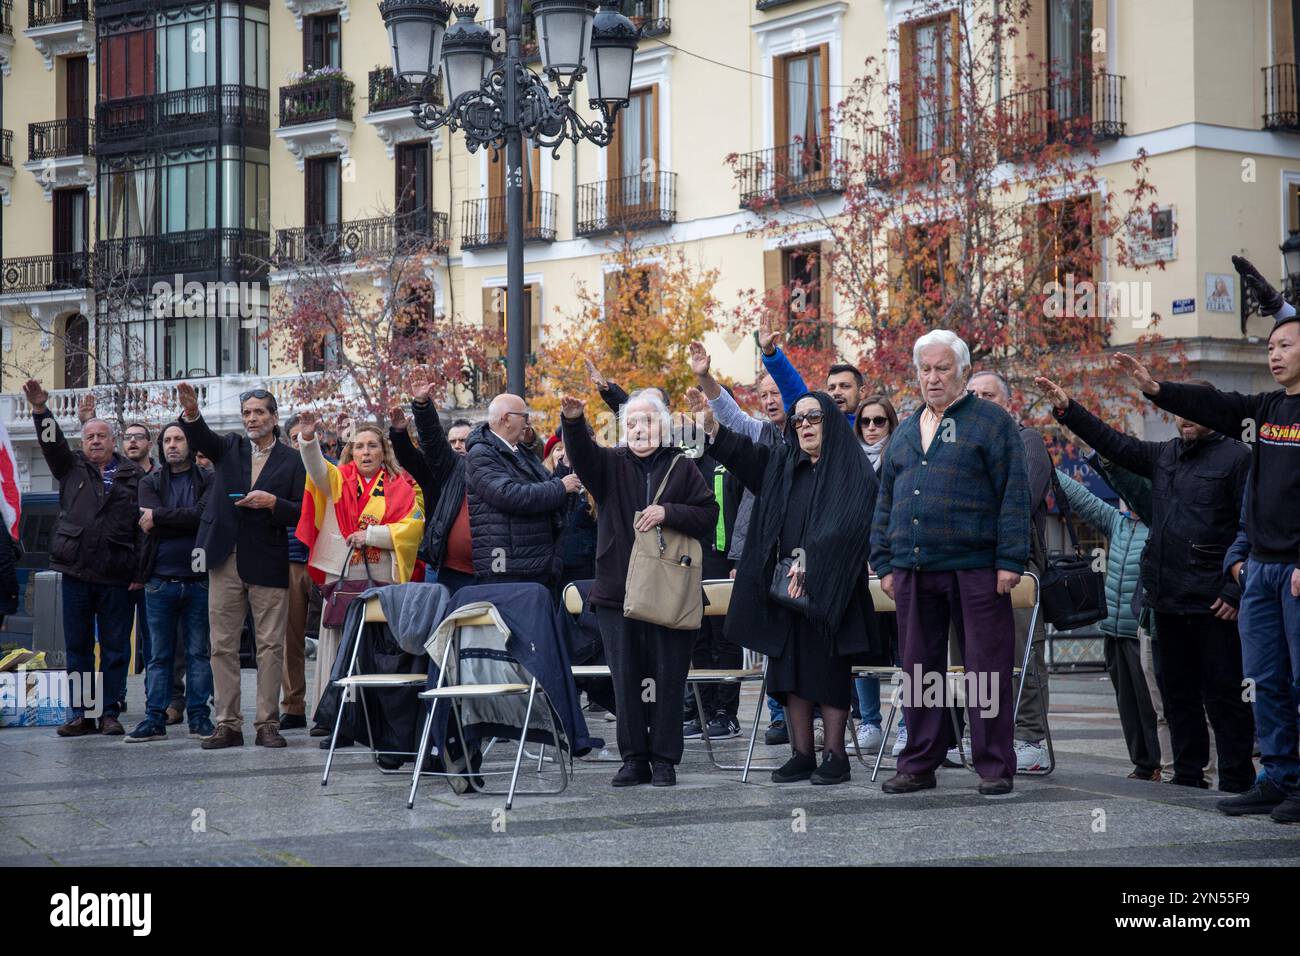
[112,428]
[497,407]
[645,396]
[949,340]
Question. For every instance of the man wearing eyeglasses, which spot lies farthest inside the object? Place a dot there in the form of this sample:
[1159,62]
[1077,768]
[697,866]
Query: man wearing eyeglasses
[515,504]
[243,540]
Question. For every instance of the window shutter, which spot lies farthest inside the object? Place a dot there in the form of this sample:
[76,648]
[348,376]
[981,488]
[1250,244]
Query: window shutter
[1031,47]
[825,294]
[492,318]
[1284,50]
[1097,61]
[534,294]
[780,103]
[824,78]
[906,75]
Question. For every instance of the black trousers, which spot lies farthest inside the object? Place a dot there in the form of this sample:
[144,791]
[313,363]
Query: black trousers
[1200,676]
[649,665]
[1137,716]
[713,651]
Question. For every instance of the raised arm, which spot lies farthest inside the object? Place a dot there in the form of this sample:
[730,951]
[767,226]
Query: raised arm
[201,438]
[437,452]
[1088,506]
[786,376]
[588,459]
[1229,413]
[54,446]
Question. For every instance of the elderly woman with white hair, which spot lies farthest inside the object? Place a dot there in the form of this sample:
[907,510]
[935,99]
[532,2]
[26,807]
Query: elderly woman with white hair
[624,481]
[950,541]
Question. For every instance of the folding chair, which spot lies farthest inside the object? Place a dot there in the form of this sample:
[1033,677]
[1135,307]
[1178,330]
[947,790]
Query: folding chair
[1025,595]
[456,695]
[355,685]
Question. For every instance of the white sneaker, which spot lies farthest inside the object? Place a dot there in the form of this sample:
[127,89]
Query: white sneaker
[870,737]
[1030,757]
[953,758]
[900,742]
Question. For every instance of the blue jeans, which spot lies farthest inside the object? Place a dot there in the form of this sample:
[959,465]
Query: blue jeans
[100,612]
[173,605]
[775,711]
[868,689]
[1270,650]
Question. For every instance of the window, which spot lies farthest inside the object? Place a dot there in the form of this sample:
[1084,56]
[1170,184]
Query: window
[802,103]
[1069,50]
[495,305]
[184,40]
[532,178]
[1066,246]
[126,65]
[322,354]
[76,352]
[801,274]
[412,186]
[76,89]
[323,187]
[320,42]
[636,289]
[246,189]
[634,153]
[930,81]
[70,261]
[189,194]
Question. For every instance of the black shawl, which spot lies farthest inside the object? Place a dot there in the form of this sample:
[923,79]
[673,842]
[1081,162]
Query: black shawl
[838,529]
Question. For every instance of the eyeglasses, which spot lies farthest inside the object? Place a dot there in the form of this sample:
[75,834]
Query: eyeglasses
[523,415]
[879,421]
[812,418]
[136,437]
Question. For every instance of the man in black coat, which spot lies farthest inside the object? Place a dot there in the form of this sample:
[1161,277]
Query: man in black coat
[172,497]
[515,505]
[1197,481]
[97,546]
[243,537]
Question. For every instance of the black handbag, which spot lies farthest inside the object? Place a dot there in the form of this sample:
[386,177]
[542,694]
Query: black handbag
[1071,593]
[779,589]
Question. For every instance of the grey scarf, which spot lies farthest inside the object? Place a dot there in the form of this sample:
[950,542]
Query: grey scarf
[875,452]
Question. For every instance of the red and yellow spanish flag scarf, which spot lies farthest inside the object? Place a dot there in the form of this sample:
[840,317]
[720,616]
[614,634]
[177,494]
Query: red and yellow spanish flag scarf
[387,499]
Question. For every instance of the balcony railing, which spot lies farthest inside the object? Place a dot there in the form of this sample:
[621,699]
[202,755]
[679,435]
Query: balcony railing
[1282,98]
[403,234]
[632,202]
[886,148]
[649,16]
[42,13]
[7,18]
[1078,110]
[485,382]
[57,139]
[483,221]
[59,271]
[328,98]
[791,172]
[164,254]
[386,92]
[177,110]
[7,148]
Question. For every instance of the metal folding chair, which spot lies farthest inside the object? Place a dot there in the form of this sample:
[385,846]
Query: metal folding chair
[355,685]
[457,694]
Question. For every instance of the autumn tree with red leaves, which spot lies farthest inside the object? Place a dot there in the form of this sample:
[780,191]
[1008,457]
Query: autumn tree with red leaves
[962,190]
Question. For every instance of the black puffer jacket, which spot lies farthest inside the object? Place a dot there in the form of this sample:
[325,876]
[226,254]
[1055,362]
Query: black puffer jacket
[97,537]
[515,510]
[1196,493]
[439,472]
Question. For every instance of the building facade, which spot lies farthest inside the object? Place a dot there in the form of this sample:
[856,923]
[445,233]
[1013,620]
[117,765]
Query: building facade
[161,144]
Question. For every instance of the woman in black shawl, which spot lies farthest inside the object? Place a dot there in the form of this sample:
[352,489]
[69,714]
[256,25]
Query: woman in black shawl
[814,498]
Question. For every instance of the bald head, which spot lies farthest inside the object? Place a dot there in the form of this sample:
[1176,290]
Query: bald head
[508,417]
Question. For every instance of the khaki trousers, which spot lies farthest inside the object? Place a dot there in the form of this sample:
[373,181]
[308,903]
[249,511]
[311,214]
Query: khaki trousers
[294,684]
[229,600]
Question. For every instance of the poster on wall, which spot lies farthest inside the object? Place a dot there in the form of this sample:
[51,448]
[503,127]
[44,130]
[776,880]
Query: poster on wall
[1220,292]
[1159,245]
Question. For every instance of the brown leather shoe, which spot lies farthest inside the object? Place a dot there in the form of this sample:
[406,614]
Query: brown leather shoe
[269,736]
[174,716]
[909,782]
[111,727]
[994,786]
[80,727]
[226,736]
[1154,776]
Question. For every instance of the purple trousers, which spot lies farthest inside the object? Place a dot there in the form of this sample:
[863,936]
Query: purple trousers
[927,601]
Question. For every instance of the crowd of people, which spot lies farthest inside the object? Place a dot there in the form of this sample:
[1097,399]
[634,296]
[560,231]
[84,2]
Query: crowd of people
[804,504]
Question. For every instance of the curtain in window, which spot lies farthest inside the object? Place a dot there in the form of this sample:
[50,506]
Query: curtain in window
[632,148]
[797,80]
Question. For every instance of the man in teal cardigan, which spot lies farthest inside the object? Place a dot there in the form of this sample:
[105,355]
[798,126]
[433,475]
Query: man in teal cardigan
[1126,536]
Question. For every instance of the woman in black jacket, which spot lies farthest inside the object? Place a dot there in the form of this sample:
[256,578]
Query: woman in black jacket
[814,498]
[623,481]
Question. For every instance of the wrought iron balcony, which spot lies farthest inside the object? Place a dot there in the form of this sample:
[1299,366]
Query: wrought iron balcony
[386,92]
[164,254]
[626,204]
[1077,110]
[649,16]
[1282,98]
[885,149]
[404,234]
[327,98]
[7,148]
[483,221]
[60,270]
[42,13]
[791,172]
[7,18]
[176,110]
[56,139]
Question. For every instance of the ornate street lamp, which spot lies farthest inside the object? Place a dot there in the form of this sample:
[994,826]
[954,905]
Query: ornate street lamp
[1290,249]
[498,103]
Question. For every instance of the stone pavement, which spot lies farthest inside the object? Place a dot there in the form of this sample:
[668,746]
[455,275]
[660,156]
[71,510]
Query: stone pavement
[100,801]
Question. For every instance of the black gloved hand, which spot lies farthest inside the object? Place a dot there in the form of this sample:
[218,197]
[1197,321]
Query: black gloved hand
[1270,300]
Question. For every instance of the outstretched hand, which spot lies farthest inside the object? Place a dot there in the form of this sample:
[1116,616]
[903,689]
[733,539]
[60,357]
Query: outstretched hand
[596,378]
[1270,300]
[769,340]
[571,407]
[308,420]
[703,412]
[1058,396]
[397,418]
[699,358]
[1138,373]
[86,408]
[188,398]
[36,395]
[420,392]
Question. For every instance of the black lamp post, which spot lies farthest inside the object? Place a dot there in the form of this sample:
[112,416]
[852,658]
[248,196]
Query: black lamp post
[498,103]
[1290,249]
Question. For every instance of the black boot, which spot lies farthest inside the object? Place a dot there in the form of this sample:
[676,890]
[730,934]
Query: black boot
[797,768]
[834,769]
[662,774]
[633,773]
